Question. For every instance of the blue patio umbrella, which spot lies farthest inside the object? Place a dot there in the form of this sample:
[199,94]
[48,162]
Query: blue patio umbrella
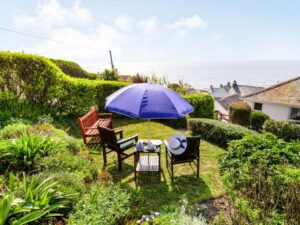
[148,101]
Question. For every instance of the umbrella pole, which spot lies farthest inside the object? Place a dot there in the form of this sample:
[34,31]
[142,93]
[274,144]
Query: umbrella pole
[148,138]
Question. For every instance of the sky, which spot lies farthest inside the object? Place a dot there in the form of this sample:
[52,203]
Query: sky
[154,31]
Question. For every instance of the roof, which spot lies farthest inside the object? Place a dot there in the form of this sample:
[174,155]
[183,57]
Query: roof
[287,92]
[228,100]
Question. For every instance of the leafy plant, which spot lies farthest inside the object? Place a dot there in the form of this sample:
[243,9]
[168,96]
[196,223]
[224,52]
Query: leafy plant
[31,201]
[285,130]
[13,130]
[257,120]
[110,75]
[138,79]
[261,175]
[23,151]
[107,205]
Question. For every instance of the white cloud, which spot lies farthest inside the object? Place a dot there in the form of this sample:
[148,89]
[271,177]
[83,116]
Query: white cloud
[50,13]
[189,23]
[124,23]
[148,25]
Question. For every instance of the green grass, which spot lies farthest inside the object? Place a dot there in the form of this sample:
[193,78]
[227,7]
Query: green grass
[156,196]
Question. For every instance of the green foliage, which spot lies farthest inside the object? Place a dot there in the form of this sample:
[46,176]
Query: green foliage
[239,113]
[13,130]
[203,105]
[76,164]
[73,69]
[285,130]
[217,132]
[107,205]
[22,152]
[31,201]
[110,75]
[261,175]
[257,120]
[40,82]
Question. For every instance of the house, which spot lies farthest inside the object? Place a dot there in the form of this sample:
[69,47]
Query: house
[280,101]
[228,94]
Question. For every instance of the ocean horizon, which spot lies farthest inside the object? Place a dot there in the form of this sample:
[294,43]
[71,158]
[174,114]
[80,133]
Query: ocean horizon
[201,75]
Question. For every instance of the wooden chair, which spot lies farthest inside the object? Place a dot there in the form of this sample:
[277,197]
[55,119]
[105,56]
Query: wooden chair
[191,154]
[110,141]
[89,123]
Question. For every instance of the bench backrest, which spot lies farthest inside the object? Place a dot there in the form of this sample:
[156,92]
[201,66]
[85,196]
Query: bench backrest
[89,119]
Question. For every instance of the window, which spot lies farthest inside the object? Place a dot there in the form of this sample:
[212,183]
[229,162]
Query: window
[257,106]
[295,114]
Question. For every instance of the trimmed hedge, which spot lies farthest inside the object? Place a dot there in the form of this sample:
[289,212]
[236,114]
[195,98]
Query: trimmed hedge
[73,69]
[239,113]
[203,105]
[39,80]
[257,120]
[217,132]
[285,130]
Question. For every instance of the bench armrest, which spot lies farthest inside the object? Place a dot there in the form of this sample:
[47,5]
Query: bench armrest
[105,115]
[135,137]
[120,132]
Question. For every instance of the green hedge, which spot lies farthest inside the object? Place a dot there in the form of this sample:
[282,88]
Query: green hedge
[73,69]
[257,120]
[239,113]
[217,132]
[285,130]
[39,80]
[203,105]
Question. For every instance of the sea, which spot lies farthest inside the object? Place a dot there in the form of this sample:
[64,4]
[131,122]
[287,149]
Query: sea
[201,75]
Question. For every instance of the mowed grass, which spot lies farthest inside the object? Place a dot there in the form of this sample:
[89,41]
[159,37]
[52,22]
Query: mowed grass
[165,194]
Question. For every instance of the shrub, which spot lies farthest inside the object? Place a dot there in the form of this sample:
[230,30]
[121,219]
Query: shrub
[110,75]
[107,205]
[70,163]
[138,79]
[257,120]
[13,130]
[73,69]
[31,201]
[285,130]
[203,105]
[22,152]
[261,175]
[40,82]
[217,132]
[239,113]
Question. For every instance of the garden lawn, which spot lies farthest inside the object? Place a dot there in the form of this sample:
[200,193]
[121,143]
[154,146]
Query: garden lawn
[155,196]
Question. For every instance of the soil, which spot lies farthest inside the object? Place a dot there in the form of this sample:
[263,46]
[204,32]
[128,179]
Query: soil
[210,208]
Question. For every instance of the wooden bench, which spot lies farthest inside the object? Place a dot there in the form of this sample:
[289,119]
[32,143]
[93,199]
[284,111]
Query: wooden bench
[89,125]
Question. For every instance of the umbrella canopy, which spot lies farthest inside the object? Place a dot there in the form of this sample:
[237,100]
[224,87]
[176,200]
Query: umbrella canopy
[148,101]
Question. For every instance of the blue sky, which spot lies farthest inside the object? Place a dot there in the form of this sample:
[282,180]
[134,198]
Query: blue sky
[137,30]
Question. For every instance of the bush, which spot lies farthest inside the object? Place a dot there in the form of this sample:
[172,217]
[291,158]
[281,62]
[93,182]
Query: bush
[31,201]
[257,120]
[217,132]
[76,164]
[261,174]
[22,152]
[13,130]
[110,75]
[285,130]
[239,113]
[41,82]
[107,205]
[203,105]
[73,69]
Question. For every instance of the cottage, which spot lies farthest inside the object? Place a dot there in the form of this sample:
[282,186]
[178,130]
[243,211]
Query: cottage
[280,101]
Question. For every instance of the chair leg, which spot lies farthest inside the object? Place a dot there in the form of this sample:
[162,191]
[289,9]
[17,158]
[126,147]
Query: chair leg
[104,154]
[84,140]
[119,161]
[172,172]
[198,167]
